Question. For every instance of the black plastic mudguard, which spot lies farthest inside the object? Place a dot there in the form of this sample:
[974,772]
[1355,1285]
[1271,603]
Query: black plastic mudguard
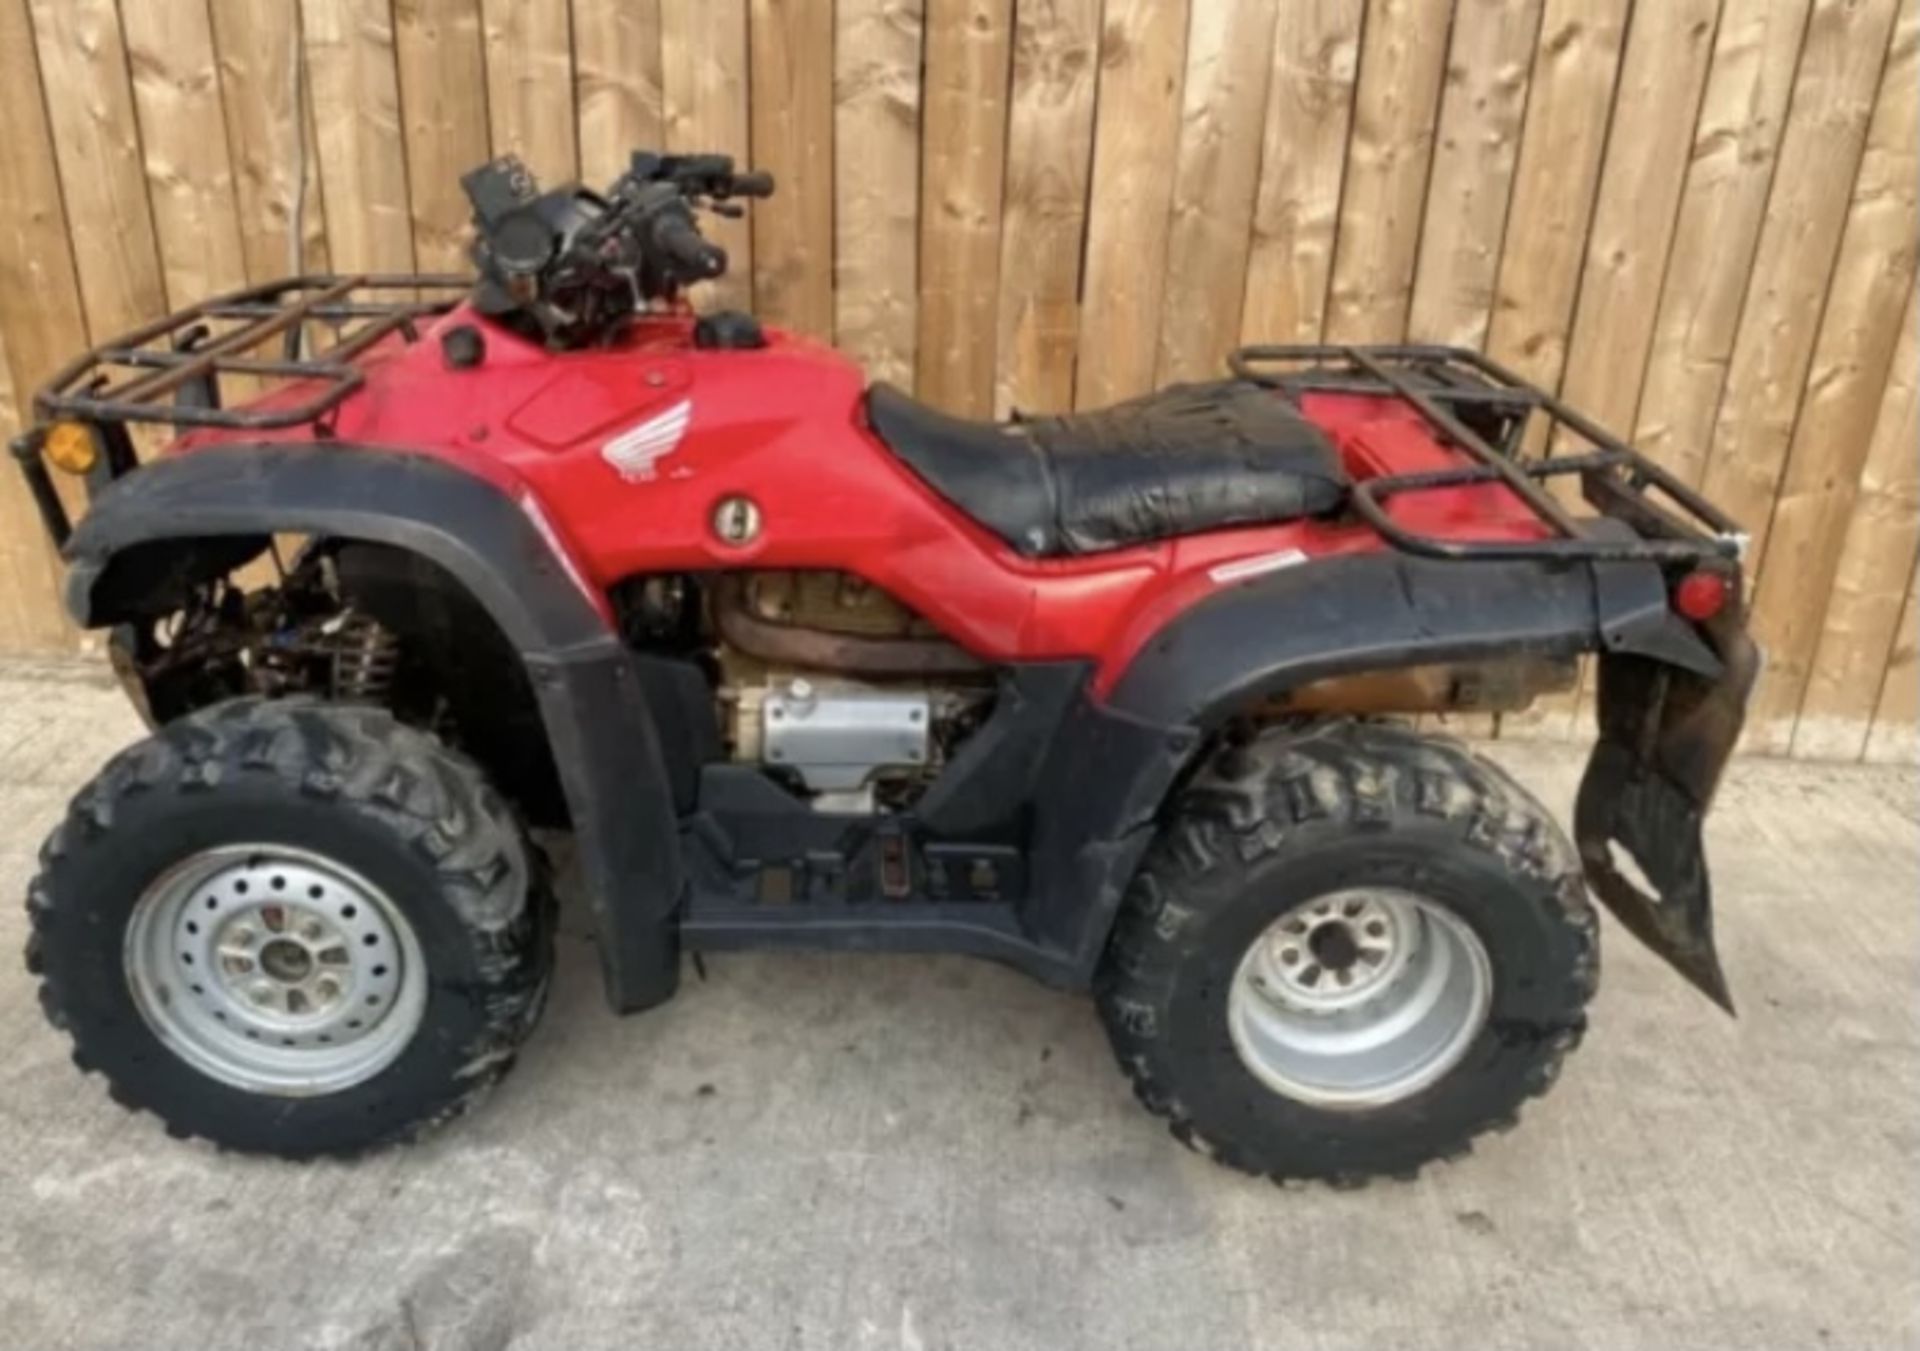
[1665,736]
[604,740]
[1377,612]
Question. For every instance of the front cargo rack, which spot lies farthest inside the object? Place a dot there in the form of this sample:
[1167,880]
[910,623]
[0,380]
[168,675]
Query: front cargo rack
[187,369]
[177,363]
[1488,413]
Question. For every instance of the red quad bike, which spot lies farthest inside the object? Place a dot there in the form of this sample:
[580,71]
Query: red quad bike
[806,664]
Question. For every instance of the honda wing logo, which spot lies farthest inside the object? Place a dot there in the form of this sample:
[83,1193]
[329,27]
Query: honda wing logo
[636,452]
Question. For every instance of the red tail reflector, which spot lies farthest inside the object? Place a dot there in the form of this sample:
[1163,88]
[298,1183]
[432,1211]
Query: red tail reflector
[1701,595]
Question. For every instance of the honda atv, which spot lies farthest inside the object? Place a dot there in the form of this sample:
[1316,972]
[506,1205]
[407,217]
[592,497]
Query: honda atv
[1108,697]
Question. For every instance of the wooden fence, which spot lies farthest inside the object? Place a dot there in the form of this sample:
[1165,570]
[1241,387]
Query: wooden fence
[1695,217]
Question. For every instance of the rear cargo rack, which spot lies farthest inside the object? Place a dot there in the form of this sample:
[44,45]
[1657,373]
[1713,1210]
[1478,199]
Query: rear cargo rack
[1488,413]
[171,371]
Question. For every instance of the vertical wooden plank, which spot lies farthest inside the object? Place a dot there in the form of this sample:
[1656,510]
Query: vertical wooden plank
[1303,160]
[1568,104]
[22,557]
[40,319]
[1224,104]
[440,56]
[616,76]
[1402,57]
[1820,151]
[269,135]
[363,162]
[40,324]
[31,619]
[529,46]
[1895,738]
[1136,135]
[1049,166]
[876,134]
[962,168]
[791,105]
[176,91]
[1882,539]
[1662,78]
[96,138]
[703,62]
[1851,360]
[1722,207]
[1482,105]
[1553,191]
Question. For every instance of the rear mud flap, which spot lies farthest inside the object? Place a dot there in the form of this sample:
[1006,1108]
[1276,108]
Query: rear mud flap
[1665,735]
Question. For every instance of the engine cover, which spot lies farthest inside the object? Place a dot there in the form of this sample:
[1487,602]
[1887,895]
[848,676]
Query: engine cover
[835,736]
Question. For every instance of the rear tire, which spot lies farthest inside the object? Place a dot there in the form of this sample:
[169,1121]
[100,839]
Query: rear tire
[292,928]
[1351,950]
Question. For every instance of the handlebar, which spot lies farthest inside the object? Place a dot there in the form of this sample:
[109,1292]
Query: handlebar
[683,247]
[757,183]
[575,265]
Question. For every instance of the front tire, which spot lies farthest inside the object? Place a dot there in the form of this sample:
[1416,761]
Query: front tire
[292,928]
[1351,950]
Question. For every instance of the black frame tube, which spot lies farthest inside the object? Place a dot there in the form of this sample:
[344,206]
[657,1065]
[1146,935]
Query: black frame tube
[46,499]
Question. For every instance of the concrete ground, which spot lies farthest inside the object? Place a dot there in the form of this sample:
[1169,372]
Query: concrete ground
[845,1153]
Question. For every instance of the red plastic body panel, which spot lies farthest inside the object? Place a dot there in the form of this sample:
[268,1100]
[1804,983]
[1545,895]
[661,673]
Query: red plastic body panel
[783,426]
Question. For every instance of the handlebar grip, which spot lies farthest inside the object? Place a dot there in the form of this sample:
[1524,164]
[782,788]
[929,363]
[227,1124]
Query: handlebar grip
[690,254]
[759,183]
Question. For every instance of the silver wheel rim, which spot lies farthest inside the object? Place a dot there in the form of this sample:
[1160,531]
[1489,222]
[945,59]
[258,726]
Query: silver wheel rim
[275,970]
[1359,998]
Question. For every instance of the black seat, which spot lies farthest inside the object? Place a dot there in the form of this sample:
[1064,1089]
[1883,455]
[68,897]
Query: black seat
[1186,459]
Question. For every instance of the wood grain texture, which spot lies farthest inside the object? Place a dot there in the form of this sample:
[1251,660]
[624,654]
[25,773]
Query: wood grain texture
[876,133]
[1217,174]
[1303,157]
[1575,65]
[962,173]
[1396,107]
[1833,431]
[1870,579]
[792,108]
[440,55]
[703,62]
[363,159]
[22,557]
[616,76]
[1049,168]
[1483,101]
[1735,144]
[269,135]
[96,140]
[40,324]
[176,90]
[529,54]
[1662,78]
[1895,738]
[1820,151]
[1136,138]
[1482,105]
[1686,216]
